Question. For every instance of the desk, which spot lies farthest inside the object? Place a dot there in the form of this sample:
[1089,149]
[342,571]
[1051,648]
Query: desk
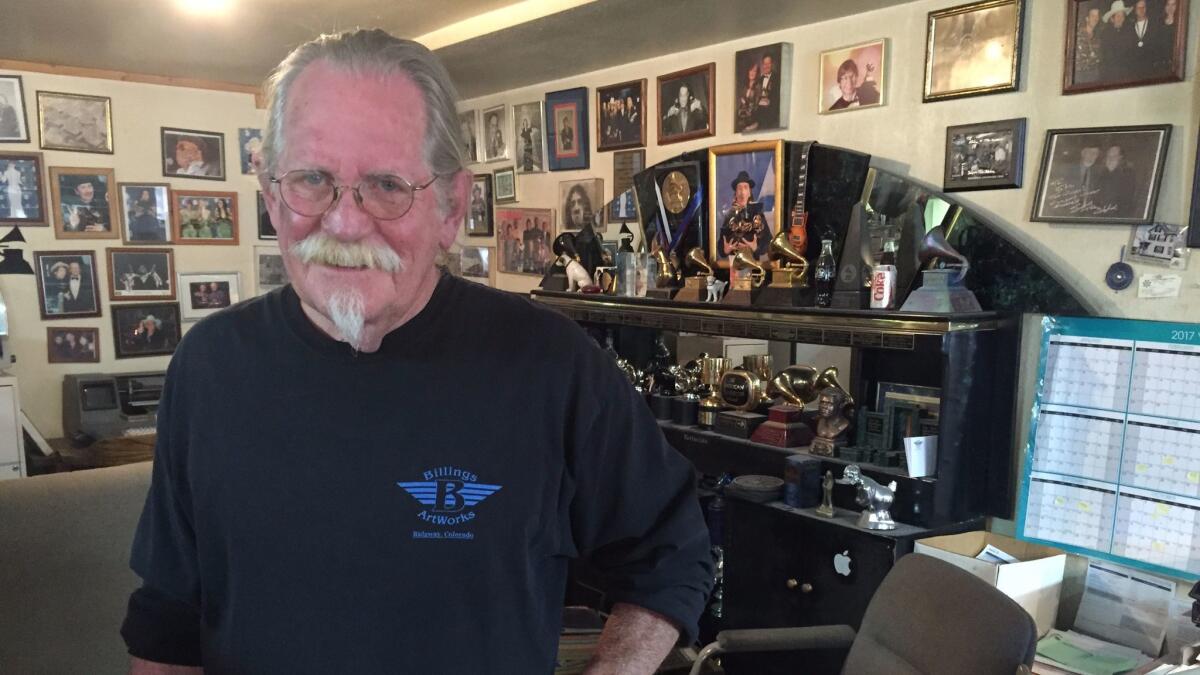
[108,452]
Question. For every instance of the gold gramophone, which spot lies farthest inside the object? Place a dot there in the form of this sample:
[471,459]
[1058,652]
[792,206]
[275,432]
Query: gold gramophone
[789,268]
[745,275]
[711,370]
[797,385]
[829,378]
[668,274]
[696,283]
[785,427]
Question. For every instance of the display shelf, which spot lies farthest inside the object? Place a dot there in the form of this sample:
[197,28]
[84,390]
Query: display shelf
[879,329]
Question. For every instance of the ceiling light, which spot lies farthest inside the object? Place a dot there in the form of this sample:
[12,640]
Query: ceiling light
[206,7]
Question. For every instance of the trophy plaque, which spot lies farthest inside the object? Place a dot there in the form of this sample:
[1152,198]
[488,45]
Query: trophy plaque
[738,423]
[742,389]
[745,276]
[695,286]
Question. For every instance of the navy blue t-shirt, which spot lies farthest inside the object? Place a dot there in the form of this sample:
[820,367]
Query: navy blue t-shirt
[316,510]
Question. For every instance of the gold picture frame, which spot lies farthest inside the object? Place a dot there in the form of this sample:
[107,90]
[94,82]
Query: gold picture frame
[758,160]
[973,50]
[868,63]
[68,122]
[86,213]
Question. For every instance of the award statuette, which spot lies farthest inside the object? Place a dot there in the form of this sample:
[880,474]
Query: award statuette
[745,276]
[742,389]
[789,273]
[942,290]
[666,278]
[760,364]
[696,285]
[875,498]
[711,370]
[826,507]
[852,290]
[785,427]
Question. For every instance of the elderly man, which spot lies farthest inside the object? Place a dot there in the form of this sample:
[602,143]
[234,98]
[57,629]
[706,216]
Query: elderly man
[370,501]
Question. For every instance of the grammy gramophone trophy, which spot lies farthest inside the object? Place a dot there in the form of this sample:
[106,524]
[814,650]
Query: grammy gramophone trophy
[785,428]
[789,273]
[745,275]
[667,278]
[695,285]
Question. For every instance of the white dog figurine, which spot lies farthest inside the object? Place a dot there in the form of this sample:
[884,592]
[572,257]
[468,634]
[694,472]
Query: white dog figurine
[577,276]
[716,289]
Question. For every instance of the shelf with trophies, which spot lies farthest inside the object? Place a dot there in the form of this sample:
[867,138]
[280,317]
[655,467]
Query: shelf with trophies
[914,439]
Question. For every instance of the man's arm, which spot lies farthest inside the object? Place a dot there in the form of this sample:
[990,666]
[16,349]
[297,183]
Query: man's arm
[144,667]
[635,641]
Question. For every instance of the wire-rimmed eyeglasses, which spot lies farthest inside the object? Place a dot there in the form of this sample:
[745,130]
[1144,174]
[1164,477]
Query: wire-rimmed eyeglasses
[311,193]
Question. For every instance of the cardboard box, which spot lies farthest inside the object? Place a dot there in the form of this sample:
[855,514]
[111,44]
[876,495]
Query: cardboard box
[1035,582]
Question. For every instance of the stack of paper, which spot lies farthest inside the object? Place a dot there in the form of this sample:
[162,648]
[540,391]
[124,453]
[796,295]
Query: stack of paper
[1071,652]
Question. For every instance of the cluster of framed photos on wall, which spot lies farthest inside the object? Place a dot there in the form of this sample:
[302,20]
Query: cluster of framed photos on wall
[1097,175]
[88,203]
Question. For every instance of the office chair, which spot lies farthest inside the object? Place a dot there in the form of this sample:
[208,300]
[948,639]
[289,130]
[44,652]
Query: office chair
[928,617]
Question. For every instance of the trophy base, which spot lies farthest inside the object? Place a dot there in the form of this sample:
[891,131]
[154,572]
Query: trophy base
[555,279]
[871,520]
[661,293]
[786,413]
[706,415]
[776,296]
[685,410]
[737,423]
[660,405]
[823,447]
[783,435]
[738,296]
[859,299]
[694,290]
[939,294]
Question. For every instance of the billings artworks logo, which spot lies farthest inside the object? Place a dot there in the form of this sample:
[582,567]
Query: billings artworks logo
[449,496]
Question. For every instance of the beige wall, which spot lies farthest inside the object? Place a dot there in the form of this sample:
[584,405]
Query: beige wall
[909,135]
[138,111]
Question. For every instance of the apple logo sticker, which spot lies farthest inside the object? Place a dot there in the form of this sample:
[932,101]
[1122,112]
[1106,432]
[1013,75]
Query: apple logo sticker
[841,563]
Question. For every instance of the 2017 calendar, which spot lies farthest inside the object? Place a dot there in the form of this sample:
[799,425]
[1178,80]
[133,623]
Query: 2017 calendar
[1112,468]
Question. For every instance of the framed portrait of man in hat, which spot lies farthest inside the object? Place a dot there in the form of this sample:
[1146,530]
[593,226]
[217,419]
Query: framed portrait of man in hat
[187,153]
[745,183]
[84,203]
[1112,44]
[149,329]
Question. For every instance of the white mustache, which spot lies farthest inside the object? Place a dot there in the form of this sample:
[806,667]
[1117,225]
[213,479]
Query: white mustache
[322,249]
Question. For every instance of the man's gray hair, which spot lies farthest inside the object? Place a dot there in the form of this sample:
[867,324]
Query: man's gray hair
[375,51]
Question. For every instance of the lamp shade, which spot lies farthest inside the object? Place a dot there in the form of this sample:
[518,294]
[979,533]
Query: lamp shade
[14,262]
[13,237]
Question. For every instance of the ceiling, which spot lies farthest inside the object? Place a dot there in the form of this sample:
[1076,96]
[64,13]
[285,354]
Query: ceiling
[157,37]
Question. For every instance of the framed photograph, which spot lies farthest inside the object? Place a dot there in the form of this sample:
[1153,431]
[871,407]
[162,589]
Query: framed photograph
[141,274]
[853,77]
[762,87]
[201,217]
[985,156]
[266,229]
[621,116]
[685,104]
[973,49]
[208,292]
[67,284]
[1112,45]
[269,271]
[249,146]
[22,193]
[479,216]
[505,181]
[525,236]
[1101,175]
[476,262]
[745,181]
[1159,244]
[567,129]
[193,154]
[84,203]
[495,130]
[14,123]
[73,345]
[145,212]
[626,163]
[452,263]
[1193,230]
[468,123]
[579,199]
[150,329]
[925,398]
[529,135]
[75,122]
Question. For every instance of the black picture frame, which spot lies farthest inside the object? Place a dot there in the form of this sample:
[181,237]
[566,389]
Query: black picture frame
[146,274]
[1084,68]
[209,144]
[701,83]
[15,112]
[1193,233]
[616,129]
[764,102]
[33,198]
[266,229]
[72,351]
[145,221]
[51,286]
[1066,193]
[131,341]
[971,165]
[480,219]
[567,151]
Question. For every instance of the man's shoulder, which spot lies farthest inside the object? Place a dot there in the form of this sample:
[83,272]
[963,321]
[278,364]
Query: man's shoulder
[501,313]
[228,328]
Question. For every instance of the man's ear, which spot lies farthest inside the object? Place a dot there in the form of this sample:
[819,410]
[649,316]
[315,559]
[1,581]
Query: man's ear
[455,198]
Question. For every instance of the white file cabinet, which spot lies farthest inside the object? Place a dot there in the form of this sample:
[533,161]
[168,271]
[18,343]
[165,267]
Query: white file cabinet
[12,446]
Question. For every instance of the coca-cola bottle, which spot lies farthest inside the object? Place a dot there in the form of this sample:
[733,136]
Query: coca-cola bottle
[826,274]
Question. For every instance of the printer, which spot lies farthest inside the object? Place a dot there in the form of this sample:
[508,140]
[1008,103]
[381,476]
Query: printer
[98,406]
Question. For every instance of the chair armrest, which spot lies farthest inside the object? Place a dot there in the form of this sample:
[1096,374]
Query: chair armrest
[786,639]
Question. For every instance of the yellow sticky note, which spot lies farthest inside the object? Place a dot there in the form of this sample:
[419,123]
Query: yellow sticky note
[1059,501]
[1193,476]
[1158,546]
[1141,468]
[1169,460]
[1084,506]
[1161,510]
